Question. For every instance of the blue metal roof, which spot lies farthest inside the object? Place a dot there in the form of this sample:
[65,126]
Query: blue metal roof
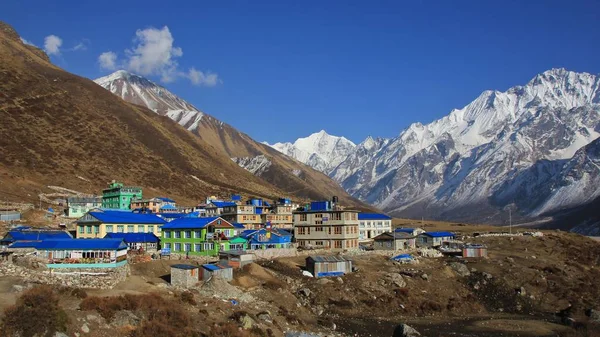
[165,199]
[404,230]
[277,236]
[236,197]
[172,215]
[35,235]
[83,244]
[119,217]
[168,206]
[438,234]
[238,225]
[221,204]
[213,267]
[373,216]
[192,223]
[133,237]
[24,244]
[184,266]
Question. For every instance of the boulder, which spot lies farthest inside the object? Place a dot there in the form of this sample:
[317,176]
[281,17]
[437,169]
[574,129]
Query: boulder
[340,280]
[17,288]
[324,281]
[396,279]
[460,269]
[425,277]
[85,328]
[246,321]
[265,316]
[404,330]
[487,276]
[304,292]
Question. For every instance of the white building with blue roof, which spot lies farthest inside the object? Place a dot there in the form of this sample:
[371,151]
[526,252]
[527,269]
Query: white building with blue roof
[372,225]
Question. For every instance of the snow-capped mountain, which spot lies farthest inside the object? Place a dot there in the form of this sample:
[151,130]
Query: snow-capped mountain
[503,149]
[320,150]
[141,91]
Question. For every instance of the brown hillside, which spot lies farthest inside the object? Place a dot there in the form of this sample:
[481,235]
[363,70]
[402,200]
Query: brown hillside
[57,127]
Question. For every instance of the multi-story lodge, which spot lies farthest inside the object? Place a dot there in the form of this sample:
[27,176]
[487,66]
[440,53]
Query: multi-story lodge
[98,223]
[155,205]
[324,224]
[197,236]
[280,214]
[372,225]
[117,196]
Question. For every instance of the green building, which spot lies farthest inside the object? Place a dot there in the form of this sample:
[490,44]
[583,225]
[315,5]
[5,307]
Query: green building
[197,236]
[117,196]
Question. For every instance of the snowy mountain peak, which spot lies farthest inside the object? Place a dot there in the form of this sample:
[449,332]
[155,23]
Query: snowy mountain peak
[320,150]
[139,90]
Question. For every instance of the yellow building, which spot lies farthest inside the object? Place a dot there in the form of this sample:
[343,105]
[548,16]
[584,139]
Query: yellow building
[98,223]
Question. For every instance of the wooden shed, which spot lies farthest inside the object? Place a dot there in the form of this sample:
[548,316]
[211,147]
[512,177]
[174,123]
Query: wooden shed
[220,270]
[184,275]
[324,266]
[474,250]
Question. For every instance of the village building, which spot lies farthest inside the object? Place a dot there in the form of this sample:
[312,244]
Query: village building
[248,215]
[373,224]
[118,196]
[155,205]
[219,270]
[414,231]
[27,234]
[9,215]
[327,266]
[79,253]
[197,236]
[168,217]
[266,238]
[98,223]
[236,258]
[324,224]
[184,275]
[474,250]
[137,241]
[280,214]
[394,241]
[433,239]
[216,207]
[78,206]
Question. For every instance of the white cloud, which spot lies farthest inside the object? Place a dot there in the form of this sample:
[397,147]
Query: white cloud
[207,79]
[52,44]
[153,54]
[27,42]
[108,60]
[79,46]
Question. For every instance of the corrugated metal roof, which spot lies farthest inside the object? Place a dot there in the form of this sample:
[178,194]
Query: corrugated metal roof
[184,266]
[213,267]
[328,258]
[27,235]
[83,244]
[221,204]
[404,230]
[133,237]
[238,225]
[373,216]
[24,244]
[167,206]
[278,236]
[172,215]
[119,217]
[438,234]
[192,223]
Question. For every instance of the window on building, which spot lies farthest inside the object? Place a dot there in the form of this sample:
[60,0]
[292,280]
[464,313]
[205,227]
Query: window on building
[319,216]
[96,229]
[209,246]
[88,229]
[109,228]
[301,230]
[336,216]
[178,247]
[188,234]
[337,230]
[303,217]
[318,243]
[167,234]
[389,244]
[168,245]
[120,228]
[362,224]
[187,247]
[130,229]
[81,229]
[318,222]
[198,234]
[197,247]
[337,244]
[177,234]
[319,229]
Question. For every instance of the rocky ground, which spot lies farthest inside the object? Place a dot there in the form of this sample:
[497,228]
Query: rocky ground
[529,286]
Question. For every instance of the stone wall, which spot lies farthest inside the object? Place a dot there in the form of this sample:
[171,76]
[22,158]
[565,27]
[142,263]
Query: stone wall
[99,278]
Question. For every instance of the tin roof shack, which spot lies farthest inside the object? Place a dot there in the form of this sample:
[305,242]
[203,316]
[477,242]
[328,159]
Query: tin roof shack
[220,270]
[394,241]
[451,248]
[474,250]
[135,241]
[324,266]
[433,239]
[26,234]
[236,258]
[184,275]
[10,215]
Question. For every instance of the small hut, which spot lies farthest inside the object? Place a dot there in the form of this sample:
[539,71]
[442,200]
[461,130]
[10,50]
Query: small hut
[223,271]
[236,258]
[474,250]
[323,266]
[184,275]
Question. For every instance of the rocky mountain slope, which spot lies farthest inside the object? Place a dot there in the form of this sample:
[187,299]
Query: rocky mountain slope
[289,175]
[60,129]
[321,151]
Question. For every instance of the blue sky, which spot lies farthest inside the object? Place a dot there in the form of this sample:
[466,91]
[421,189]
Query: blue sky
[284,69]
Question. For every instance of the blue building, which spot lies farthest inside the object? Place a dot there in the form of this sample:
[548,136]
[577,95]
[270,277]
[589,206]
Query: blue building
[136,241]
[27,234]
[434,239]
[265,238]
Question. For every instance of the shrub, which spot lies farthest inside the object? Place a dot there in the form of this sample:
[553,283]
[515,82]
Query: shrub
[187,297]
[36,313]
